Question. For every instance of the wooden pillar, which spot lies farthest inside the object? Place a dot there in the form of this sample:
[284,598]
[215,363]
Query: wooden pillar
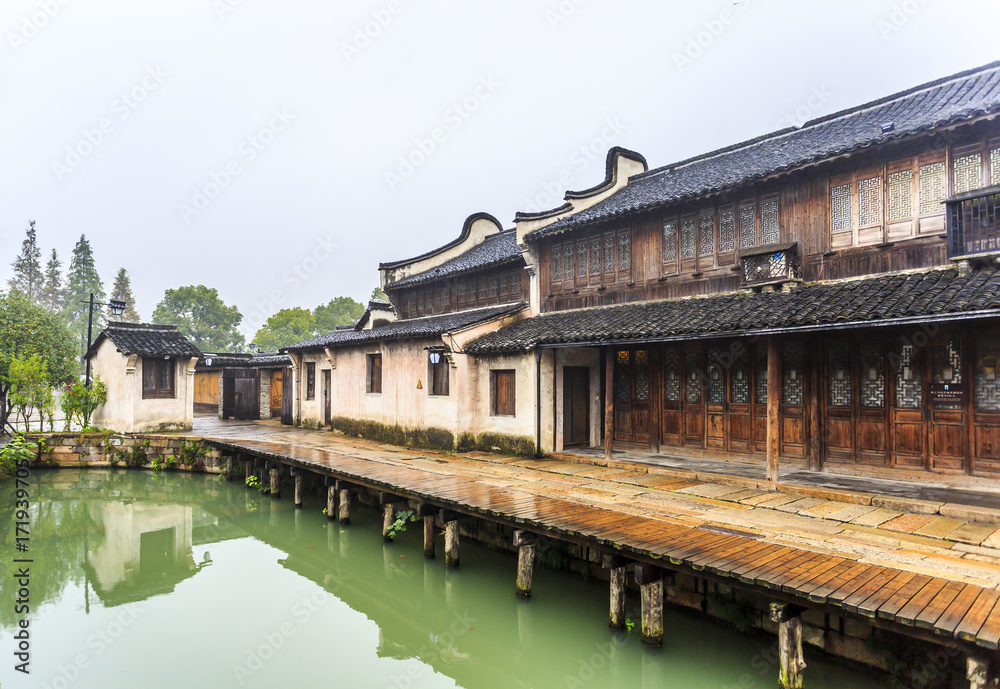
[524,541]
[979,674]
[616,567]
[773,407]
[344,508]
[450,520]
[427,512]
[229,467]
[655,398]
[275,481]
[297,473]
[650,580]
[815,428]
[791,662]
[609,404]
[389,511]
[331,502]
[247,467]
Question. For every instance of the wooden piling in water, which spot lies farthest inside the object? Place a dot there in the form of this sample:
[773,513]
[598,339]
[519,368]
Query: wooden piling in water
[344,508]
[389,518]
[331,502]
[451,543]
[298,474]
[618,584]
[229,467]
[980,674]
[650,581]
[275,481]
[524,541]
[791,662]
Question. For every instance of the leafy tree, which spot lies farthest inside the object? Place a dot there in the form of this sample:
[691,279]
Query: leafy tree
[379,295]
[79,401]
[122,291]
[83,281]
[28,265]
[27,329]
[287,327]
[340,311]
[199,313]
[30,390]
[52,287]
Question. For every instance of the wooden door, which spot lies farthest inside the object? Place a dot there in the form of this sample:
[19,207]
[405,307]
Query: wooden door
[276,383]
[758,422]
[672,420]
[228,397]
[693,403]
[840,432]
[740,413]
[908,410]
[986,403]
[327,407]
[632,396]
[793,398]
[286,398]
[715,398]
[576,406]
[948,396]
[872,425]
[247,396]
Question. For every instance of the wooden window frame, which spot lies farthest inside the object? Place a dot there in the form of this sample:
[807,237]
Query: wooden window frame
[670,267]
[157,391]
[500,380]
[310,380]
[438,375]
[373,382]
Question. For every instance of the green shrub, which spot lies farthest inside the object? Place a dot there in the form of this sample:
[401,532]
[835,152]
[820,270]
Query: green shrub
[19,451]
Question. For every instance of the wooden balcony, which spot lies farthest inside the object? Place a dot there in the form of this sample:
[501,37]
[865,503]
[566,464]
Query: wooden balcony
[972,223]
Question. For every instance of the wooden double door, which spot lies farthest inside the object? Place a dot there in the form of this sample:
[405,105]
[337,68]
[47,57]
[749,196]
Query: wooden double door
[632,396]
[897,401]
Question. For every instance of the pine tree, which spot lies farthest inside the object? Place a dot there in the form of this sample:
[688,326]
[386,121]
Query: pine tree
[82,281]
[28,266]
[122,291]
[52,287]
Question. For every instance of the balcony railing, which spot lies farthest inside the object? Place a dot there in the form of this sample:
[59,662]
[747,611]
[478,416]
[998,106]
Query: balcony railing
[972,223]
[770,264]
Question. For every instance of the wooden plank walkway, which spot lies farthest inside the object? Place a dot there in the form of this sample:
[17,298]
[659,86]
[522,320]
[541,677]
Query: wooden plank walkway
[912,586]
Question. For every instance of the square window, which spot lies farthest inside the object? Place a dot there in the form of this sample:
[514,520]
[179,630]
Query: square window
[158,377]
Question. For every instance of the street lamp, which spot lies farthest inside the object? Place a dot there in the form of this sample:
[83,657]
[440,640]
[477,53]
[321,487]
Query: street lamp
[117,308]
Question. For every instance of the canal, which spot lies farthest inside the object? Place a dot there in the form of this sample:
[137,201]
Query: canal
[147,580]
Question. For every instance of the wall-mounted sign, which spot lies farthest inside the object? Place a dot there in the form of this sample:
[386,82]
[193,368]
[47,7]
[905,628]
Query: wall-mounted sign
[947,393]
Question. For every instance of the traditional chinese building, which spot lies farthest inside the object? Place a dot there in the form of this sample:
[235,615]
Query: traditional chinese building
[827,295]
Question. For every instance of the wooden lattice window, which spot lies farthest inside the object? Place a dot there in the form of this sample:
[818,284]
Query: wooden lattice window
[581,259]
[503,400]
[595,256]
[706,234]
[689,238]
[870,201]
[624,251]
[933,188]
[568,271]
[158,378]
[310,380]
[670,242]
[995,165]
[727,230]
[770,226]
[967,169]
[900,195]
[841,213]
[374,374]
[556,263]
[748,225]
[609,253]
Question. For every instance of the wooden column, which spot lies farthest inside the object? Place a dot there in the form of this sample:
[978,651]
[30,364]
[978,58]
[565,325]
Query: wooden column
[773,407]
[650,580]
[655,398]
[247,468]
[229,467]
[814,361]
[616,567]
[331,502]
[979,674]
[450,520]
[790,659]
[275,480]
[525,541]
[297,473]
[389,511]
[609,404]
[344,506]
[427,513]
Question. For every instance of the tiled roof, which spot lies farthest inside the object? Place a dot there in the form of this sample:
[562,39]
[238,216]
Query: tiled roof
[412,328]
[243,360]
[146,340]
[496,249]
[953,99]
[927,296]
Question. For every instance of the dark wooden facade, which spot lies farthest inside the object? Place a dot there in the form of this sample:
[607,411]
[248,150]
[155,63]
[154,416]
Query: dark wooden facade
[504,284]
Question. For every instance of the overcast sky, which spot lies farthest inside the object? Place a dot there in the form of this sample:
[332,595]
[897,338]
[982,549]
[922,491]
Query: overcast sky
[278,151]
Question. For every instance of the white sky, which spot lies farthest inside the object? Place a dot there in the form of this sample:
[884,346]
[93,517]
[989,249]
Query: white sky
[543,79]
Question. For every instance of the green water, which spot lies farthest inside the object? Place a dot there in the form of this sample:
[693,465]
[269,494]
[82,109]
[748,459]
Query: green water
[175,580]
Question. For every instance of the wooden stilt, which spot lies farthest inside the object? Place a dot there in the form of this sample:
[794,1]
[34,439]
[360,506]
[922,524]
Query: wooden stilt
[791,662]
[429,537]
[297,473]
[229,467]
[389,518]
[650,580]
[773,407]
[247,467]
[524,541]
[609,404]
[979,675]
[275,482]
[451,544]
[616,567]
[345,507]
[331,502]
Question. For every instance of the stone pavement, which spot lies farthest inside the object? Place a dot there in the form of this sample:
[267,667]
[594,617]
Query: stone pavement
[939,539]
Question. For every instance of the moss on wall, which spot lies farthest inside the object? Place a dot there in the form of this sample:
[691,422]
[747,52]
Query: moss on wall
[427,438]
[520,446]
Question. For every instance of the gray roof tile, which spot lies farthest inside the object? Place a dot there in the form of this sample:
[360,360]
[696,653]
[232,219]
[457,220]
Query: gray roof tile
[146,340]
[495,249]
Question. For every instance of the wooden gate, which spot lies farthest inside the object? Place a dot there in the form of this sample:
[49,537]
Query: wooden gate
[240,394]
[275,402]
[576,406]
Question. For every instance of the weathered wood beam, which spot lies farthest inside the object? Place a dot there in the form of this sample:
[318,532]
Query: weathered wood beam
[815,427]
[331,502]
[618,584]
[791,662]
[609,404]
[429,536]
[980,674]
[275,470]
[451,543]
[389,510]
[773,407]
[299,487]
[525,542]
[344,500]
[650,581]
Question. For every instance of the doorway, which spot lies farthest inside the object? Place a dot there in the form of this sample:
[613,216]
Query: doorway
[576,406]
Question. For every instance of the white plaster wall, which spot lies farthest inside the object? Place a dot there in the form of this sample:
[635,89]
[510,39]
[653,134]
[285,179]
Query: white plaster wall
[479,230]
[113,369]
[477,417]
[578,357]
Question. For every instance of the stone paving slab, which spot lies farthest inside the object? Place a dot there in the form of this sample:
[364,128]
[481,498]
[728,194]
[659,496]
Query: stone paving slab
[972,533]
[799,505]
[940,527]
[850,512]
[907,523]
[876,517]
[824,509]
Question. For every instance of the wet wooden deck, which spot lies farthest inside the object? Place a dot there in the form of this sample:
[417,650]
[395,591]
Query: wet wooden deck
[911,583]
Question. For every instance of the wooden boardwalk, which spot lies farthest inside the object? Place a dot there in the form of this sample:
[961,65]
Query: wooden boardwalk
[911,584]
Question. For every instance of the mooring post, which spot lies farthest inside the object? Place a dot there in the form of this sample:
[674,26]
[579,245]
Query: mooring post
[275,480]
[344,508]
[791,662]
[650,581]
[450,520]
[525,541]
[298,475]
[617,571]
[331,501]
[979,674]
[427,512]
